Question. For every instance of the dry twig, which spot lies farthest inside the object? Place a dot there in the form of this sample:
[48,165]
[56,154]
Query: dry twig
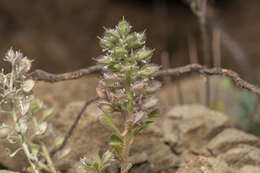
[40,75]
[239,82]
[69,133]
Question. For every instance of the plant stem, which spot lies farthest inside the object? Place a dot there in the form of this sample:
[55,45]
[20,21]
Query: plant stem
[127,142]
[24,145]
[27,153]
[129,95]
[128,137]
[47,157]
[45,151]
[17,126]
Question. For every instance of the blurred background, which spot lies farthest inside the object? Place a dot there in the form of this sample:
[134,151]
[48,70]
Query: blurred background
[62,35]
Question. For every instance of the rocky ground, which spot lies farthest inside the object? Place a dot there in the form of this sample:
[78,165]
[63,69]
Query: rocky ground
[185,139]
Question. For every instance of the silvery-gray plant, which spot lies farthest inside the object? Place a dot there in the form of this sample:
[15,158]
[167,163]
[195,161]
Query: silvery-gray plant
[127,87]
[18,103]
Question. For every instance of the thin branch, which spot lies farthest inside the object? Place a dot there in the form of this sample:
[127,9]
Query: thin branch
[239,82]
[75,123]
[40,75]
[211,71]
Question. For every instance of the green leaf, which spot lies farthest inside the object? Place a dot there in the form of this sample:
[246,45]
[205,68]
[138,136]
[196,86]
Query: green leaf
[64,153]
[115,140]
[35,149]
[153,113]
[115,67]
[36,105]
[98,160]
[144,66]
[46,114]
[59,141]
[107,157]
[123,106]
[131,58]
[30,170]
[142,127]
[110,123]
[96,166]
[118,149]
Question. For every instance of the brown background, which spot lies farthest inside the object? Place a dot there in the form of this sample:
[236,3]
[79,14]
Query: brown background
[62,35]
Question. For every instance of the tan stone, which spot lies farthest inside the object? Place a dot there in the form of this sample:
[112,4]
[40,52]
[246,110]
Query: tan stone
[230,138]
[249,169]
[205,165]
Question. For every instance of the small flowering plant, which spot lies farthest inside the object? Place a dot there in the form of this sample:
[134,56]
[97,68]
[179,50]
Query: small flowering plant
[126,86]
[17,101]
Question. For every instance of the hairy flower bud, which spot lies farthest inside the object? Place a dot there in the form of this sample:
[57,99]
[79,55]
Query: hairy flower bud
[111,77]
[119,94]
[138,116]
[129,68]
[25,65]
[104,60]
[150,103]
[112,33]
[153,87]
[123,27]
[28,85]
[105,106]
[101,92]
[138,86]
[149,70]
[42,129]
[10,53]
[134,40]
[10,56]
[105,43]
[4,131]
[119,52]
[143,54]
